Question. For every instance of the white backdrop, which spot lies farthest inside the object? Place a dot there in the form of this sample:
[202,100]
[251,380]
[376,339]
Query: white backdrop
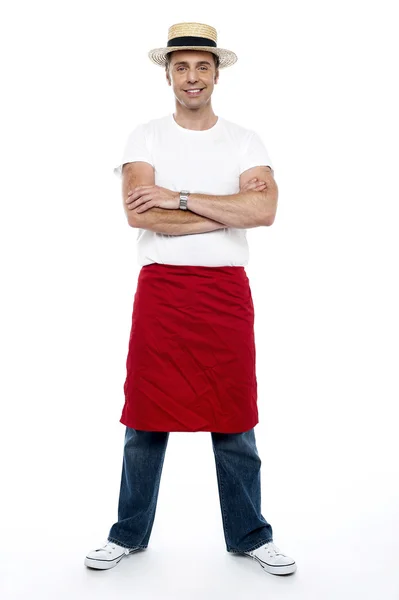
[317,81]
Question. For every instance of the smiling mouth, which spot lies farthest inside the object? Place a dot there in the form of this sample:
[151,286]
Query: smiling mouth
[194,91]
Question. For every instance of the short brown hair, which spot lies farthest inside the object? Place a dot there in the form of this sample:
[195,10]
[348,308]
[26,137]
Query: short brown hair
[168,57]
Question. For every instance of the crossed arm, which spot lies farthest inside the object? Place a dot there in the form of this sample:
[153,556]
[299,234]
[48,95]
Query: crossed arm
[255,205]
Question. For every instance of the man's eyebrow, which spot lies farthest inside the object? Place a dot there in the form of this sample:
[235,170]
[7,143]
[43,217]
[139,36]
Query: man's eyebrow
[200,62]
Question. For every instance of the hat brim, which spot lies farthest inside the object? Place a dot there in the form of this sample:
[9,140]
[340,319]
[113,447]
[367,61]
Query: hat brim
[226,57]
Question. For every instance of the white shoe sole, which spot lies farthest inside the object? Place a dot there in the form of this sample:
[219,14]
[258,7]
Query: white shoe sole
[105,563]
[275,569]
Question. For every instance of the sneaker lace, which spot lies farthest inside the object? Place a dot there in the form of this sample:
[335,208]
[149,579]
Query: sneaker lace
[272,549]
[108,546]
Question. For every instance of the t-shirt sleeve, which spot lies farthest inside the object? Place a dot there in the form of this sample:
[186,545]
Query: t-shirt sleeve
[254,154]
[136,149]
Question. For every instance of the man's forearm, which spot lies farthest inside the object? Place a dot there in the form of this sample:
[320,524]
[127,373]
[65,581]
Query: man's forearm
[242,211]
[208,213]
[173,222]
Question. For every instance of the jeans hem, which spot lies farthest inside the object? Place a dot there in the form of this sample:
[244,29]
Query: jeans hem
[115,541]
[250,549]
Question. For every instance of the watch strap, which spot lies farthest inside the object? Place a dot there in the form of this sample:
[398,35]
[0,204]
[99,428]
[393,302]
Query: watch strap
[184,194]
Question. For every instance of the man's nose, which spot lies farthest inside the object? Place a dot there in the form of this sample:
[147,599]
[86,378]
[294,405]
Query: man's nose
[192,76]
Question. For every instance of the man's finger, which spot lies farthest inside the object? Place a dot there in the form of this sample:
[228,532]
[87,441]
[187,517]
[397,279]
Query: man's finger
[141,200]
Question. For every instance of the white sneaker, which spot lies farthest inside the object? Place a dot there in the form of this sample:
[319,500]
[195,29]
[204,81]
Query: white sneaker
[272,560]
[108,556]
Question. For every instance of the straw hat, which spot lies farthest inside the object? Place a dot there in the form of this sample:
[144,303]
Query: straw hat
[192,36]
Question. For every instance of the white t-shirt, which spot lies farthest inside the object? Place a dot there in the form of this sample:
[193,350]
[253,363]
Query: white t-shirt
[202,162]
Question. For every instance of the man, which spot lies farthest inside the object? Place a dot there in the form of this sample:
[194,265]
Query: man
[192,184]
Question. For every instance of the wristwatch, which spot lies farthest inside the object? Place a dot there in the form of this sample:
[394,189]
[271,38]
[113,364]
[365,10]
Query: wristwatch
[183,199]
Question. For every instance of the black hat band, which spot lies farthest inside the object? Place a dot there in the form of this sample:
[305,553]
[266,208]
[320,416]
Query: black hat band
[189,40]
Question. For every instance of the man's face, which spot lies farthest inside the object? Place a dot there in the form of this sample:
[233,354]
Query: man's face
[192,70]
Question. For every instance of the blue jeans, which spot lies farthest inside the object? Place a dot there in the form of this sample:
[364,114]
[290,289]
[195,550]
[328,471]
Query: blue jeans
[238,475]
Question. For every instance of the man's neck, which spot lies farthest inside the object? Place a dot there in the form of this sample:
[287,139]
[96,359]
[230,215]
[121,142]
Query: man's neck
[197,120]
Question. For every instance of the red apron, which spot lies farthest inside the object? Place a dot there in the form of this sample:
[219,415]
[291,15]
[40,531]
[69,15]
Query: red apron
[191,358]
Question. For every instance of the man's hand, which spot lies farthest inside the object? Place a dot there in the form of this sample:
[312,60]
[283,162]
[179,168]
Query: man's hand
[145,197]
[253,184]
